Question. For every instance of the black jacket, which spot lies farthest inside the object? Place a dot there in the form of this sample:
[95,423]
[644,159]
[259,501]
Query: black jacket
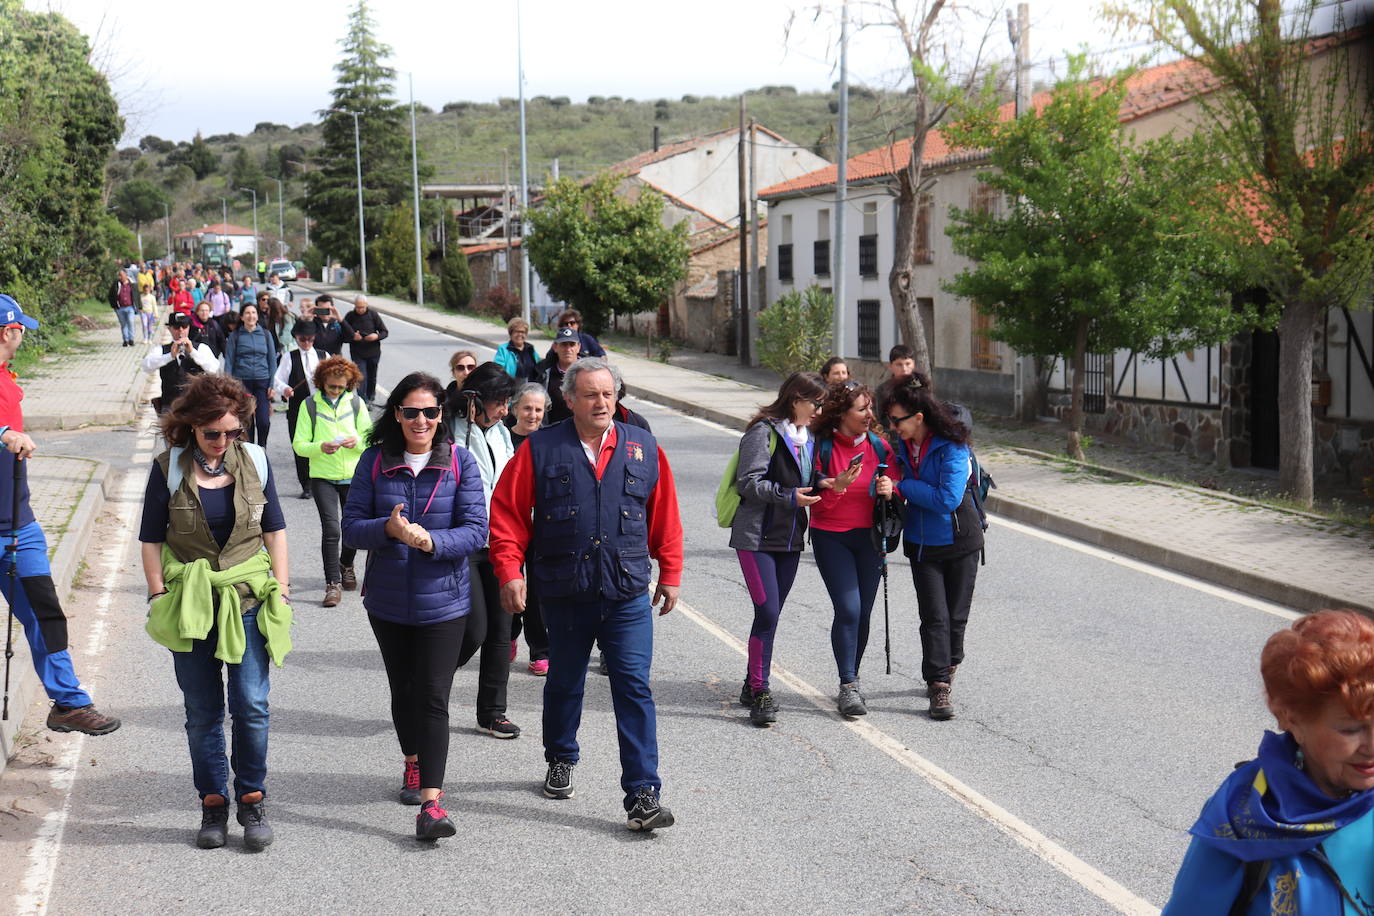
[369,322]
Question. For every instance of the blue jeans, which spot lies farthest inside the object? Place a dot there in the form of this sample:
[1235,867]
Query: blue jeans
[47,629]
[202,688]
[260,423]
[851,570]
[625,632]
[126,322]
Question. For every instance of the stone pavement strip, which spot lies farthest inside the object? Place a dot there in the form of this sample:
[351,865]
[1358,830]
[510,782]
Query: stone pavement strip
[1289,558]
[97,384]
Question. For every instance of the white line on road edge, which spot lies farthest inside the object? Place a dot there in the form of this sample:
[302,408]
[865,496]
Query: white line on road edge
[1208,588]
[36,887]
[1042,846]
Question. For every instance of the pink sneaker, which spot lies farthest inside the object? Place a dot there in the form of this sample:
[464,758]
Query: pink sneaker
[540,667]
[514,648]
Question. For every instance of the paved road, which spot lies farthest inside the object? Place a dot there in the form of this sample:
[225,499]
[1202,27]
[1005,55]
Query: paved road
[1100,703]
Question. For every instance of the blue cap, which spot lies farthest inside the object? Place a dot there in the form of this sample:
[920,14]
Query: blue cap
[566,334]
[11,313]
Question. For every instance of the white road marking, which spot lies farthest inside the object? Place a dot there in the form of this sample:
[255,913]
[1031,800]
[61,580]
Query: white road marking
[1080,872]
[36,886]
[1207,588]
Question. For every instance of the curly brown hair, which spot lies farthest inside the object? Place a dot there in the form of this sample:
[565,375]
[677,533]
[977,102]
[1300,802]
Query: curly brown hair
[1329,654]
[337,365]
[207,398]
[838,400]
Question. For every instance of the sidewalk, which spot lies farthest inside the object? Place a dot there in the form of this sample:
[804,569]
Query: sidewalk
[98,384]
[1291,558]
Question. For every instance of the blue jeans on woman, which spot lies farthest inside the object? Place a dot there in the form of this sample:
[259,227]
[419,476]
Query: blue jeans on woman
[851,568]
[202,688]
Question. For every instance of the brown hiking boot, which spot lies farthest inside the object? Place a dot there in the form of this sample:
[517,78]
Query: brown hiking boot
[85,719]
[332,594]
[940,706]
[350,579]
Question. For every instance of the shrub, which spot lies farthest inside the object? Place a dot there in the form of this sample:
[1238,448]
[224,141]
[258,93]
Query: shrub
[501,303]
[795,331]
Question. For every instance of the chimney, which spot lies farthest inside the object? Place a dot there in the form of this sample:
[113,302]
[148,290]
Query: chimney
[655,138]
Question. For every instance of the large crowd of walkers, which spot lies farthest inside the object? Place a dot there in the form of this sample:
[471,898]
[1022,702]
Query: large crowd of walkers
[483,511]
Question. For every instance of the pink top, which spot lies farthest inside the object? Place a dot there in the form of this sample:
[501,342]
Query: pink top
[854,508]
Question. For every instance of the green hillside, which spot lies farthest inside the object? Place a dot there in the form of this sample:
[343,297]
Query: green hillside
[466,141]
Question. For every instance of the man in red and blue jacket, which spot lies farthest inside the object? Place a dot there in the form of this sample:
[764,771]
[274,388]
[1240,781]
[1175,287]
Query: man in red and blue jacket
[583,506]
[31,594]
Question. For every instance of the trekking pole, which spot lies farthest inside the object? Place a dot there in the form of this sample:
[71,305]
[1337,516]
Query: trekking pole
[887,624]
[12,548]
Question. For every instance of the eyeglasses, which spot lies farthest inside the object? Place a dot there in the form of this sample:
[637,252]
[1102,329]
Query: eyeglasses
[898,420]
[816,404]
[335,387]
[464,367]
[212,435]
[410,413]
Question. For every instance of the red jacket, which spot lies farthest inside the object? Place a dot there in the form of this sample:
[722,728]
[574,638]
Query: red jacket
[512,516]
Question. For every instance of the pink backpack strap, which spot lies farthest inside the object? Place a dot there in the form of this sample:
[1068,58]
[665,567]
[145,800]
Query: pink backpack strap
[376,465]
[453,466]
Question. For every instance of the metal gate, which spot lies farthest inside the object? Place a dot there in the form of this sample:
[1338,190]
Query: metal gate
[1095,383]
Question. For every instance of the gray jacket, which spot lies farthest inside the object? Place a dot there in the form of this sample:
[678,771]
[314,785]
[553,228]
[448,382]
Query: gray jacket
[768,518]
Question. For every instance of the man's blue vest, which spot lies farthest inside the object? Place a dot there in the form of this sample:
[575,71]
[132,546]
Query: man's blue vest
[591,538]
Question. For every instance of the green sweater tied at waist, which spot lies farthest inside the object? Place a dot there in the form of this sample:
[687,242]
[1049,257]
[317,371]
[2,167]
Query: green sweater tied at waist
[188,610]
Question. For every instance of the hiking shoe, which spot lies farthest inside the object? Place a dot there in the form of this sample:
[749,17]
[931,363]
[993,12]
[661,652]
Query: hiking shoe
[850,703]
[539,667]
[85,719]
[332,594]
[499,727]
[252,816]
[764,711]
[646,813]
[940,706]
[214,826]
[746,695]
[514,649]
[350,579]
[433,822]
[410,784]
[558,782]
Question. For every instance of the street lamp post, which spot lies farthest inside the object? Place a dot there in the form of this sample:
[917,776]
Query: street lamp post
[358,163]
[167,216]
[281,221]
[415,181]
[254,192]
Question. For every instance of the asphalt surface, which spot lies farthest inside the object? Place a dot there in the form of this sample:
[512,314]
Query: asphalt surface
[1099,705]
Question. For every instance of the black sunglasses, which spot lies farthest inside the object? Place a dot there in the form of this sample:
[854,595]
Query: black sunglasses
[897,420]
[466,367]
[410,413]
[212,435]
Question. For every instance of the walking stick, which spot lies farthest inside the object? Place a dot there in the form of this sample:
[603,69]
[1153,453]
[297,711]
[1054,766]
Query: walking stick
[12,548]
[887,526]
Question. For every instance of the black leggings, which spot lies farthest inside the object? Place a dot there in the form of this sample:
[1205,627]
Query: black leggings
[420,662]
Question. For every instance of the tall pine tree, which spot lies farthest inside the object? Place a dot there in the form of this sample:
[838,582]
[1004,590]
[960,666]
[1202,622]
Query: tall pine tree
[365,85]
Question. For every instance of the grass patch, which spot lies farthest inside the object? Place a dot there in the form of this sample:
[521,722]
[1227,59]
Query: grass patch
[58,338]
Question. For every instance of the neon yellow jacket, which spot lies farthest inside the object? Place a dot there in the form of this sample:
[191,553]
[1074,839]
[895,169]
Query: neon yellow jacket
[329,424]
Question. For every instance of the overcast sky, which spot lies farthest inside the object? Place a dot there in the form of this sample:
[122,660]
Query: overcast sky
[224,67]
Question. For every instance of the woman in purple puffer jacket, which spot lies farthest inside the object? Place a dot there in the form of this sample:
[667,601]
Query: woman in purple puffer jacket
[416,506]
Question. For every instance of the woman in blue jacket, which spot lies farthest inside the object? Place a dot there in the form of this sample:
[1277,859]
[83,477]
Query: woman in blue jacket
[943,536]
[250,355]
[416,506]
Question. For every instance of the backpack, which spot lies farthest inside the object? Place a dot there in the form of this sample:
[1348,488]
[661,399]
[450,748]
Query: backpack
[727,493]
[255,451]
[979,480]
[312,410]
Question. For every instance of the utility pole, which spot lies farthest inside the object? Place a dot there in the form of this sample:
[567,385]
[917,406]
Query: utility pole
[1026,378]
[254,192]
[505,207]
[167,216]
[415,180]
[841,182]
[281,219]
[525,289]
[742,285]
[358,164]
[755,300]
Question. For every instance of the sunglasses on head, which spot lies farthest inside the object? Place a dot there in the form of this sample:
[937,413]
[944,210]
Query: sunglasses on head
[410,413]
[914,383]
[851,385]
[212,435]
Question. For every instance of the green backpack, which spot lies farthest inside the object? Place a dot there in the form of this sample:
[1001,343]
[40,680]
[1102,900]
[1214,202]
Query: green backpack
[727,494]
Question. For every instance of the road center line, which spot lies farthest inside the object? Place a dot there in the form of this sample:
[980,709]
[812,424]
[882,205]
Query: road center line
[36,887]
[1080,872]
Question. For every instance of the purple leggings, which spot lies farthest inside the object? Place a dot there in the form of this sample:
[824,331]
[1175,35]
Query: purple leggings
[769,578]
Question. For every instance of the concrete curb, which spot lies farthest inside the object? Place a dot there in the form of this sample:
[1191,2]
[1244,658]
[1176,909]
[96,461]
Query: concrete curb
[1250,583]
[66,561]
[126,415]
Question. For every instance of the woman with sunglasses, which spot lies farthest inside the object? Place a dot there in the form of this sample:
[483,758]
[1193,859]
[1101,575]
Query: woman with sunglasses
[250,355]
[416,506]
[331,427]
[214,557]
[769,529]
[460,364]
[943,534]
[849,451]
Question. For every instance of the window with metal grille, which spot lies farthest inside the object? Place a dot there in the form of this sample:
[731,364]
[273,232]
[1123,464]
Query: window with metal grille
[820,257]
[985,199]
[986,354]
[868,256]
[785,263]
[924,254]
[868,329]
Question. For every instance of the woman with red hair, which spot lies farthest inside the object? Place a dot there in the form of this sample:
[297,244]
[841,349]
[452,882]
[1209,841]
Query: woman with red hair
[1292,831]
